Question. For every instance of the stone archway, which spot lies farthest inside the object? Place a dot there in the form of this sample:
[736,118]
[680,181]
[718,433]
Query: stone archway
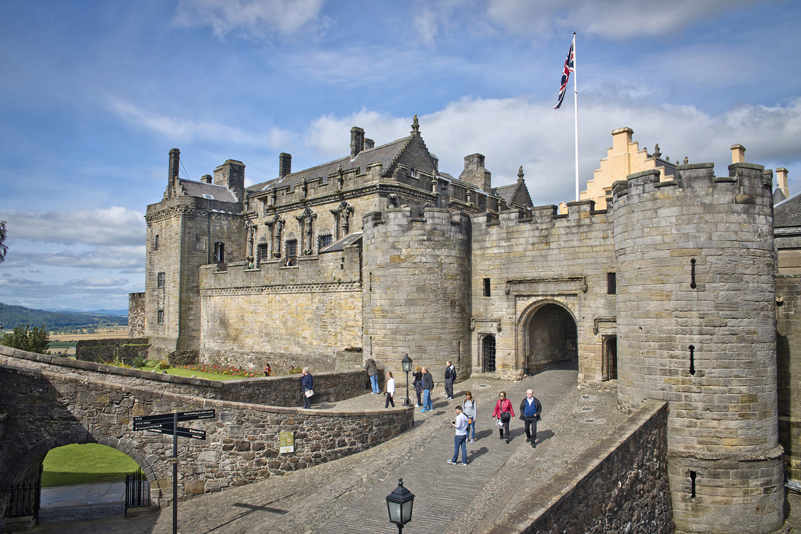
[550,336]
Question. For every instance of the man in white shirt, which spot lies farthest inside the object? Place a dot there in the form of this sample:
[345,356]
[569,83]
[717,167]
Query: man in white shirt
[460,439]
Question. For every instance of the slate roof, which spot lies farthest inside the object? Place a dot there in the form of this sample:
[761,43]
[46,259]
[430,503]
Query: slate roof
[787,214]
[507,193]
[203,190]
[342,243]
[385,154]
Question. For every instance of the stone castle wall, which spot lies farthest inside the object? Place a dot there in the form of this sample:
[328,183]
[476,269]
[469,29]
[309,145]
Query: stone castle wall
[136,315]
[696,324]
[416,297]
[282,315]
[618,485]
[109,350]
[542,259]
[788,349]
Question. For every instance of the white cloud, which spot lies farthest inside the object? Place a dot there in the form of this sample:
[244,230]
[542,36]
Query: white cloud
[617,20]
[96,283]
[516,131]
[114,226]
[251,18]
[124,259]
[177,129]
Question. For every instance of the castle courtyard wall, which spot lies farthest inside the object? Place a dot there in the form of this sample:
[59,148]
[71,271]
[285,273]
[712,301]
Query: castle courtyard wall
[282,315]
[788,352]
[540,259]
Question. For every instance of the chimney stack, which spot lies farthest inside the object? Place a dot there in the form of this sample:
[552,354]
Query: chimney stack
[368,143]
[356,141]
[206,178]
[173,171]
[781,181]
[737,154]
[284,164]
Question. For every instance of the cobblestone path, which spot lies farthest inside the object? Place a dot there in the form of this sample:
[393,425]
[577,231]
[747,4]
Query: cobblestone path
[348,495]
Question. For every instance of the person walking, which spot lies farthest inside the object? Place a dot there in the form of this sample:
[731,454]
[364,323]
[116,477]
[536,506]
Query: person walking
[417,383]
[372,372]
[267,370]
[306,382]
[469,410]
[504,413]
[450,376]
[390,389]
[460,437]
[530,410]
[428,385]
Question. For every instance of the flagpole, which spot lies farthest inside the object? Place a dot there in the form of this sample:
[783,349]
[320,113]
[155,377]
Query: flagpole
[575,109]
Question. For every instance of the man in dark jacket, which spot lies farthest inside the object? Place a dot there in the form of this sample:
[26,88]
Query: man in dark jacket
[530,410]
[372,372]
[428,385]
[306,382]
[450,376]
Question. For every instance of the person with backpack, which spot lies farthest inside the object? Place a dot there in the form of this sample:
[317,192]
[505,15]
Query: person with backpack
[530,410]
[503,413]
[372,372]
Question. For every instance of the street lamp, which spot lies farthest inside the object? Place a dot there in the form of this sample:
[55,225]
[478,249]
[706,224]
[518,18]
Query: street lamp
[407,366]
[399,505]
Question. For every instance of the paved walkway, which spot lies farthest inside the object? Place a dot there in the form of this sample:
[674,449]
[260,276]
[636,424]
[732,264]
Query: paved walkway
[348,495]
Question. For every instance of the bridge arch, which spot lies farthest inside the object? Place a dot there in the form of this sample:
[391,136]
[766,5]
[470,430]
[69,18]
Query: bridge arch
[547,333]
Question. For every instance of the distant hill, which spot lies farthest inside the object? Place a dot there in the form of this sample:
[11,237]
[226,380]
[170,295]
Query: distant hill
[13,316]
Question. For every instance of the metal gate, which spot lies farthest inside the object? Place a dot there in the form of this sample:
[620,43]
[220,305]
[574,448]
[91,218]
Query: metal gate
[489,354]
[137,490]
[25,500]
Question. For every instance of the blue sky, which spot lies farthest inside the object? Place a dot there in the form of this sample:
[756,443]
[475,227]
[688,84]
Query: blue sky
[95,94]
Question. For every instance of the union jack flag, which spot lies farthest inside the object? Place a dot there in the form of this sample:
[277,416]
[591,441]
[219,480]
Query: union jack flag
[570,66]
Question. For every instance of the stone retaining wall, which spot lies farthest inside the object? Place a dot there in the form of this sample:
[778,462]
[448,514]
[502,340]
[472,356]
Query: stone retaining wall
[113,349]
[282,390]
[41,409]
[618,485]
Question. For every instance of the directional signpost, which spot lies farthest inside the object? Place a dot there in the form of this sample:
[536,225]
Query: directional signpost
[168,424]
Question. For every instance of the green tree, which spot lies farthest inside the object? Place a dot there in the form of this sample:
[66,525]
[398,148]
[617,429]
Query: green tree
[28,339]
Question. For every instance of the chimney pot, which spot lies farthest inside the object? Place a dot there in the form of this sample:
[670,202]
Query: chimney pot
[356,141]
[369,143]
[737,154]
[781,181]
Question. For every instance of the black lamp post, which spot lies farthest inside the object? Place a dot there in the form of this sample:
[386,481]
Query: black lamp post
[399,505]
[407,366]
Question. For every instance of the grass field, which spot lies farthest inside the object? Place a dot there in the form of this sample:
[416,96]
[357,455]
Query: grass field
[65,343]
[85,464]
[197,374]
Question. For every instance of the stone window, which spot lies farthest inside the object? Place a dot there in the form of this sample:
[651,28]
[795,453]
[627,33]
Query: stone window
[219,252]
[264,253]
[325,240]
[160,317]
[292,252]
[611,284]
[487,291]
[156,242]
[161,280]
[200,242]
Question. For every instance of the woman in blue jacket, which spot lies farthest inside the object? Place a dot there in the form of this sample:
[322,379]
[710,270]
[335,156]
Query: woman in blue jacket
[306,381]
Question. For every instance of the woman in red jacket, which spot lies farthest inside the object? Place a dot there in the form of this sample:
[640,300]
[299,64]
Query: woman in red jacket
[504,412]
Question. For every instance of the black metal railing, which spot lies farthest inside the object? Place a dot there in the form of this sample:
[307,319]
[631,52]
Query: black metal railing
[25,500]
[137,490]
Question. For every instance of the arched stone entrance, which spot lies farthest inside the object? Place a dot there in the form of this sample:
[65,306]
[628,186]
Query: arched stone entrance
[549,336]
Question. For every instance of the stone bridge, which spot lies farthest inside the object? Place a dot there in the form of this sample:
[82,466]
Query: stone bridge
[47,401]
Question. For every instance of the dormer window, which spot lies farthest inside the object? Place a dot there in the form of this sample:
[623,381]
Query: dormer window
[208,196]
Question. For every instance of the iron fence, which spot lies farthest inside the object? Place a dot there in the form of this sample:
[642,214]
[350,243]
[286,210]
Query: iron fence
[137,490]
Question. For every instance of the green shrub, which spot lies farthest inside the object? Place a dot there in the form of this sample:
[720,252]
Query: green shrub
[163,364]
[139,362]
[295,371]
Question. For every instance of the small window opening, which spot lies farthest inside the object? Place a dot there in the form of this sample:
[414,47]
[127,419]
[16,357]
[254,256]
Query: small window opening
[325,240]
[160,317]
[692,281]
[161,281]
[156,242]
[219,252]
[692,484]
[263,253]
[692,359]
[611,284]
[487,291]
[292,252]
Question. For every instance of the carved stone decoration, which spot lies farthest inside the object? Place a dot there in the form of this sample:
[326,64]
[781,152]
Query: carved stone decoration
[305,220]
[250,230]
[304,187]
[342,216]
[393,201]
[657,152]
[276,225]
[340,178]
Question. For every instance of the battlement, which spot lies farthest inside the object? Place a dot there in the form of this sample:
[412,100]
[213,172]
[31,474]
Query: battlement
[580,212]
[431,218]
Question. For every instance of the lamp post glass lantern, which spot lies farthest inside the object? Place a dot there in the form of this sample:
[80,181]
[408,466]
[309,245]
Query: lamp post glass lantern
[407,366]
[399,506]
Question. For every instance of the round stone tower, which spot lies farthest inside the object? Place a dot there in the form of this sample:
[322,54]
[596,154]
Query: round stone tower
[696,327]
[416,296]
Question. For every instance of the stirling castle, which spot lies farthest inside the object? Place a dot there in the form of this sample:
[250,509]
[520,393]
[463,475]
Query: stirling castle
[673,283]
